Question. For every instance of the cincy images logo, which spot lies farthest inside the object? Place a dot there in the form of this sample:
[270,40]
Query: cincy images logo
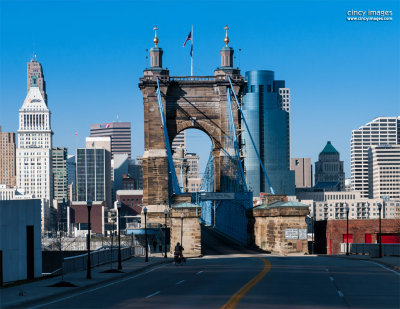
[369,15]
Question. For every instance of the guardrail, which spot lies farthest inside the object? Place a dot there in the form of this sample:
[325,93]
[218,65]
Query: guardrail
[371,249]
[99,257]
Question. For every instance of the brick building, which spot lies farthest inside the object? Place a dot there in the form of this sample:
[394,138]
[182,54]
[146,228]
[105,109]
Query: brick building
[7,158]
[360,231]
[77,218]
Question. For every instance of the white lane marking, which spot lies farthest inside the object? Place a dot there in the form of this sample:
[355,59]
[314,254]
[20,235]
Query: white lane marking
[179,282]
[95,289]
[331,278]
[340,293]
[198,273]
[151,295]
[384,267]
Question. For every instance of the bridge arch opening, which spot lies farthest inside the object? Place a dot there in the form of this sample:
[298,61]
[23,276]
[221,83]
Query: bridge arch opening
[191,149]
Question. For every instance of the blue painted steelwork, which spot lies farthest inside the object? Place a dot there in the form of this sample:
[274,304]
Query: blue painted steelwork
[235,143]
[251,138]
[174,179]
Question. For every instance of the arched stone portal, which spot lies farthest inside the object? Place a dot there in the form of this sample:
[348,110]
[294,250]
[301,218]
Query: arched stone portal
[189,102]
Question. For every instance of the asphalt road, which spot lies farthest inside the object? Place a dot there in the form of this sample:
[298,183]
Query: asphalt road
[244,281]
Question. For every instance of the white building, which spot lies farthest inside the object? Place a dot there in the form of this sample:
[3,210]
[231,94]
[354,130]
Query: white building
[7,193]
[33,157]
[384,171]
[332,205]
[380,131]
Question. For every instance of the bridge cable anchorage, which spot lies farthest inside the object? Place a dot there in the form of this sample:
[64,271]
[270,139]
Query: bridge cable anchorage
[251,138]
[175,185]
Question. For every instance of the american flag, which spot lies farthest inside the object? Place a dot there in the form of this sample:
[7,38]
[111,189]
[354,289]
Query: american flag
[189,38]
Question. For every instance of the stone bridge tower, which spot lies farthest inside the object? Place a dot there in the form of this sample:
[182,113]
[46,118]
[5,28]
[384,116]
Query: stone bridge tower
[189,102]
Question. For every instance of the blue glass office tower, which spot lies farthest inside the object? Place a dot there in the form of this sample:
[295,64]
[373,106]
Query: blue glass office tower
[269,126]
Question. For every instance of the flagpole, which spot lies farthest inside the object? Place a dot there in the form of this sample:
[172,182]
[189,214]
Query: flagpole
[191,57]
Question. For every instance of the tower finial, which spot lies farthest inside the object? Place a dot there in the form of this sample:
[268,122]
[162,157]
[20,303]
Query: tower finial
[226,40]
[155,40]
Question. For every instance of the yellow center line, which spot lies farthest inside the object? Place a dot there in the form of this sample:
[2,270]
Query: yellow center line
[234,300]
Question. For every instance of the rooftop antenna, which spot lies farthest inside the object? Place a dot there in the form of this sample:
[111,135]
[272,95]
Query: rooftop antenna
[117,118]
[76,143]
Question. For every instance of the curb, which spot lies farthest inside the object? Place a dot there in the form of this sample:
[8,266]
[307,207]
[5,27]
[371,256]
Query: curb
[18,304]
[393,267]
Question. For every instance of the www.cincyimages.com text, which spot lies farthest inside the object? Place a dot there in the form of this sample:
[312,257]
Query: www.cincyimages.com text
[373,15]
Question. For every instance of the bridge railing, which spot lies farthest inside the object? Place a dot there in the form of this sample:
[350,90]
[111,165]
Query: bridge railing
[192,78]
[371,249]
[99,257]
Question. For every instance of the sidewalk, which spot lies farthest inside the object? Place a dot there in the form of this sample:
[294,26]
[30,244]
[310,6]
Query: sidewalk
[41,290]
[392,262]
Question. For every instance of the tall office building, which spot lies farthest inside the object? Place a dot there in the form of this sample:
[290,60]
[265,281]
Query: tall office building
[71,174]
[34,69]
[268,119]
[179,141]
[34,149]
[60,173]
[7,158]
[329,169]
[93,175]
[120,134]
[380,131]
[384,171]
[193,161]
[303,172]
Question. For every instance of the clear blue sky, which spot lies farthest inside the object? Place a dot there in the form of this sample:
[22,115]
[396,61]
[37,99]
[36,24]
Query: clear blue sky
[342,74]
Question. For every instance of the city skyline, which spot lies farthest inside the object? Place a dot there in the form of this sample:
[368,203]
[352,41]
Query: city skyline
[346,68]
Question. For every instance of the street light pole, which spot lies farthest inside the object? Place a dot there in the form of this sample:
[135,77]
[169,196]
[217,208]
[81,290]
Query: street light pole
[119,235]
[145,233]
[182,216]
[89,204]
[347,233]
[380,230]
[165,233]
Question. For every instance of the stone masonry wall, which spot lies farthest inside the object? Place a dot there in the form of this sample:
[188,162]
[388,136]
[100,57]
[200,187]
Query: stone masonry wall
[270,225]
[191,240]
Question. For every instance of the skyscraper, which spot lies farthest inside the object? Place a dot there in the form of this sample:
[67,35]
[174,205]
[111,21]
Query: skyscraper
[329,169]
[384,171]
[71,173]
[268,118]
[303,172]
[120,134]
[60,173]
[34,69]
[380,131]
[179,141]
[93,175]
[7,158]
[34,149]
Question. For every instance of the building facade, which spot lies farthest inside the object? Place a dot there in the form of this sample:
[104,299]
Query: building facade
[119,133]
[33,157]
[7,158]
[384,171]
[179,141]
[332,205]
[303,172]
[71,174]
[60,173]
[380,131]
[93,175]
[268,119]
[329,168]
[34,69]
